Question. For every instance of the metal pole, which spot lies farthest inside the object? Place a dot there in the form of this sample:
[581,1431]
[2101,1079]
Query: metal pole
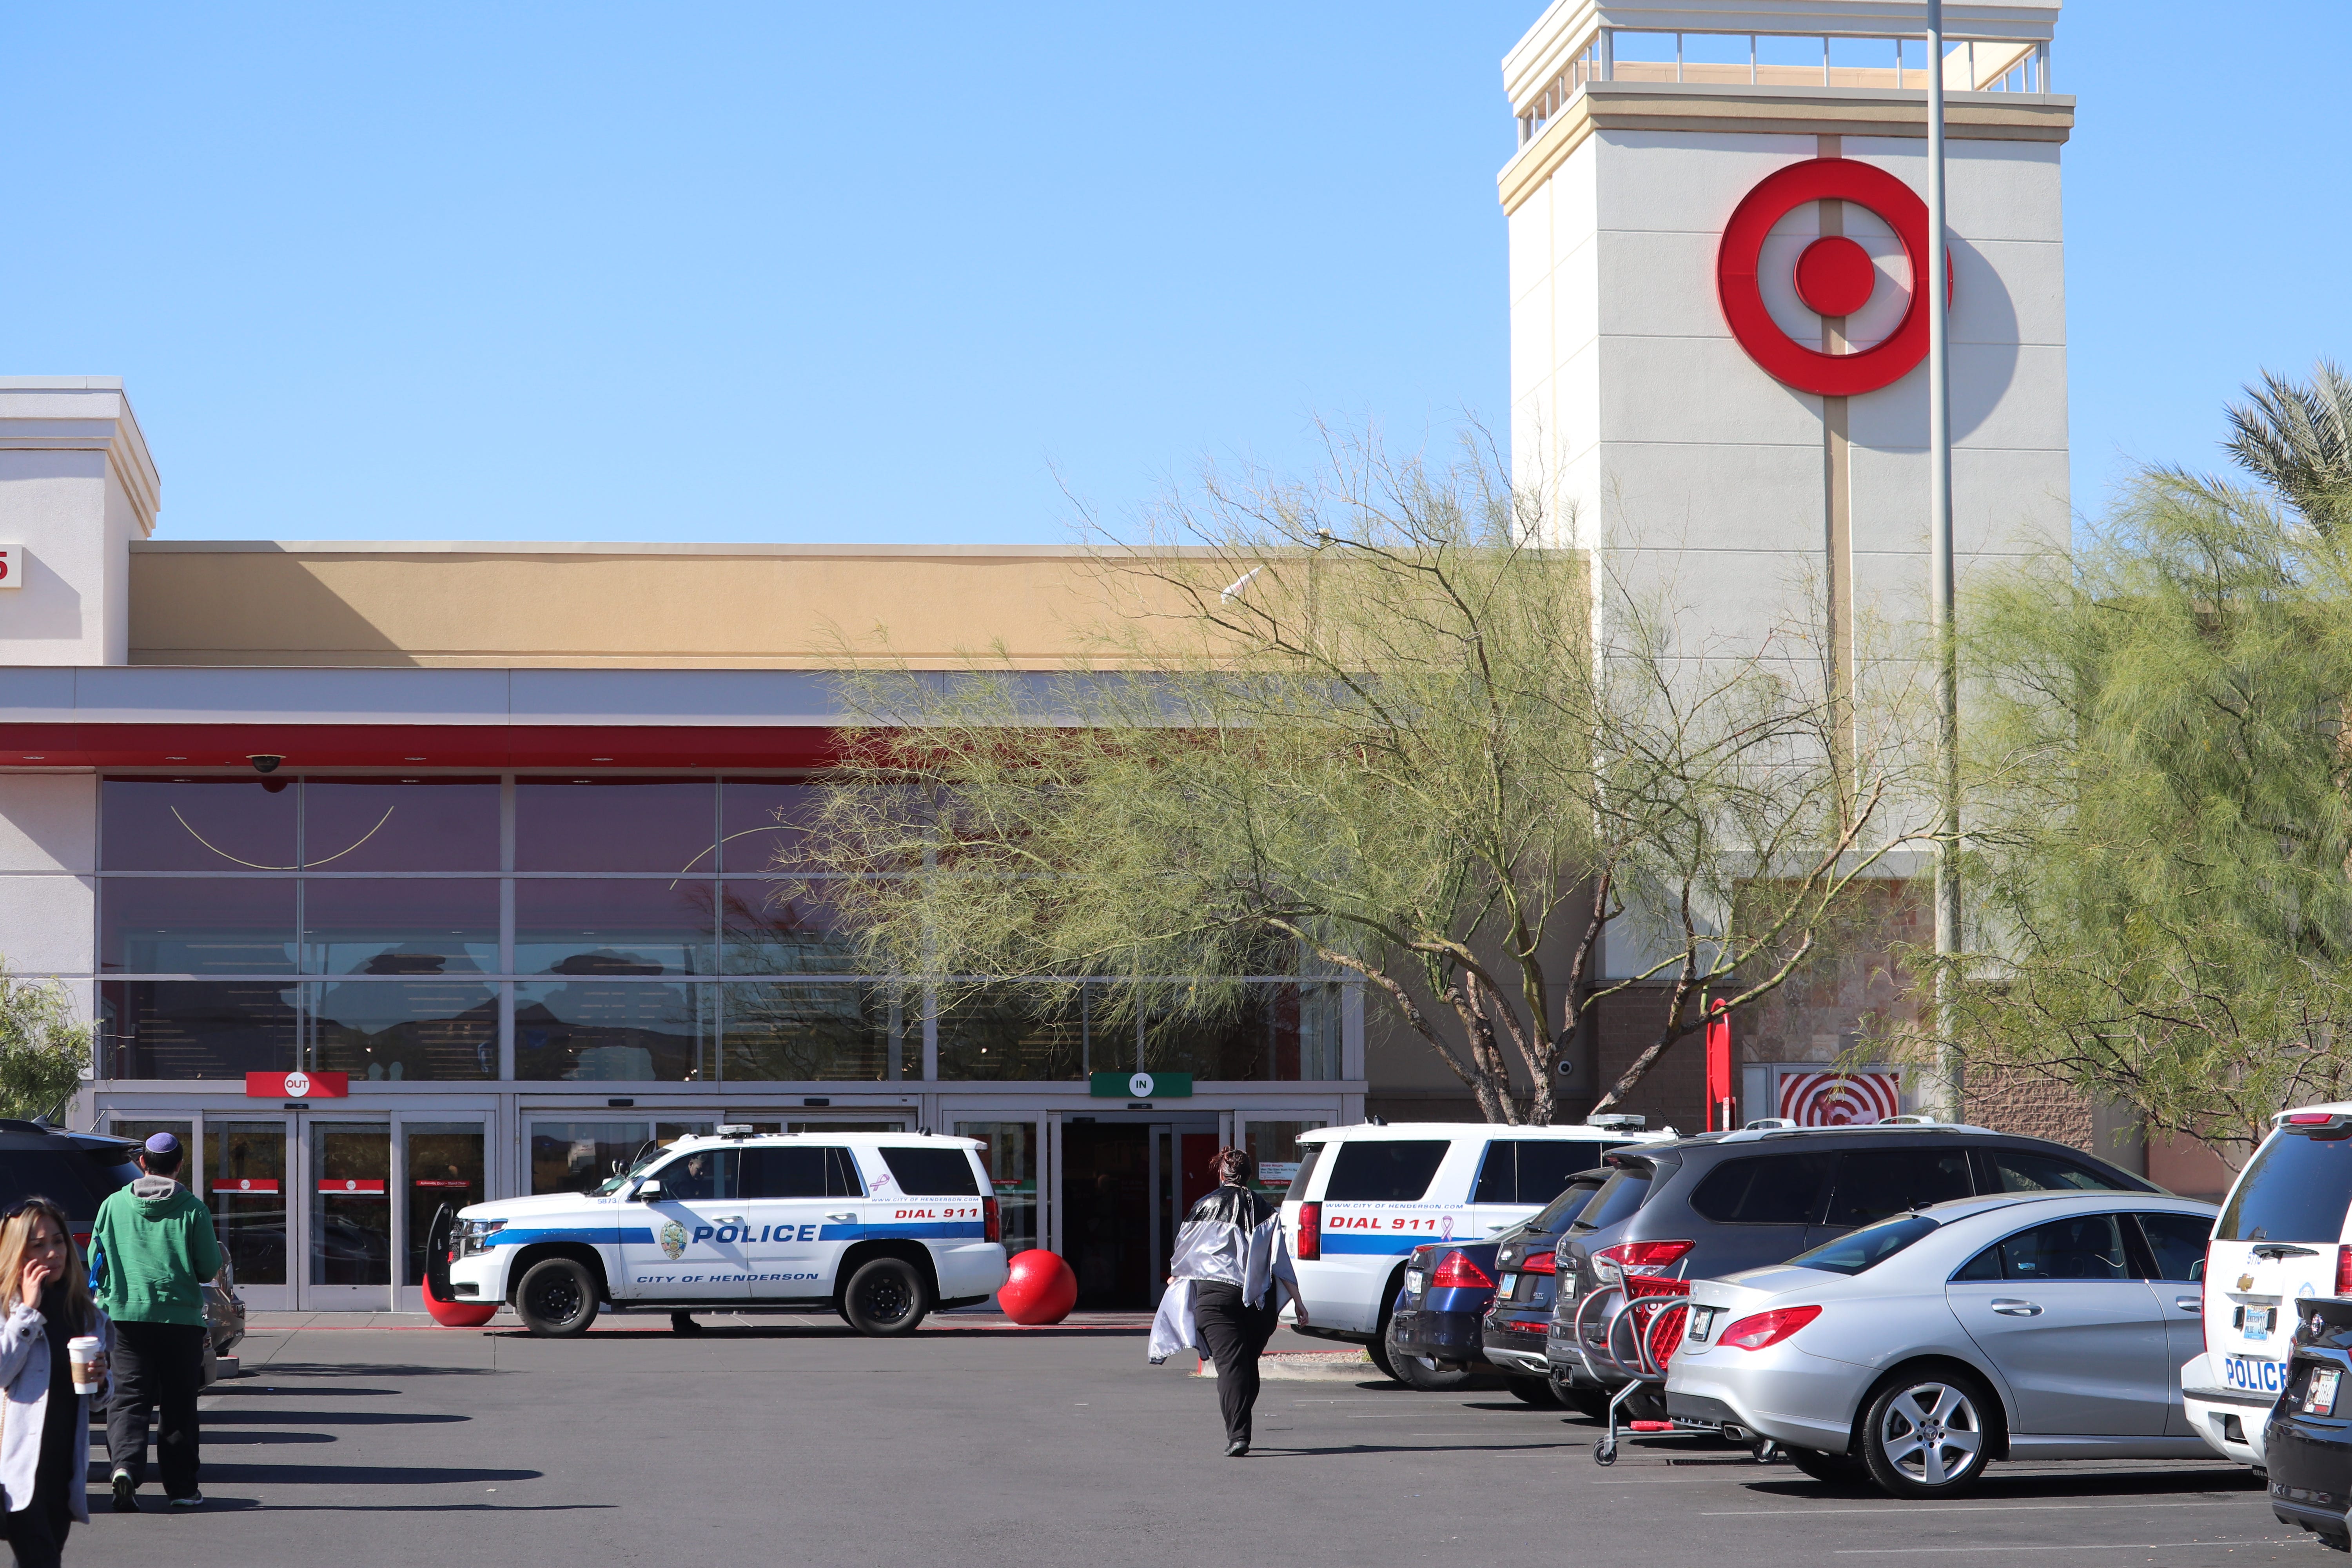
[1939,529]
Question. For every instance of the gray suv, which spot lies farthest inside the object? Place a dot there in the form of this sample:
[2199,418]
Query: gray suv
[1713,1205]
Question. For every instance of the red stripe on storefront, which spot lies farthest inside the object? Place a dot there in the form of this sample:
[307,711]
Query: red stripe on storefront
[231,1189]
[494,746]
[461,1186]
[351,1189]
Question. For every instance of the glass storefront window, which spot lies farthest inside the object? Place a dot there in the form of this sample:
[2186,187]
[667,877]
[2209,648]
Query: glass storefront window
[139,1131]
[1274,1145]
[197,824]
[1282,1032]
[405,926]
[400,825]
[406,1030]
[196,1029]
[1009,1153]
[590,926]
[616,1031]
[764,825]
[190,925]
[351,1214]
[830,1033]
[445,1167]
[1011,1034]
[615,824]
[244,1179]
[768,934]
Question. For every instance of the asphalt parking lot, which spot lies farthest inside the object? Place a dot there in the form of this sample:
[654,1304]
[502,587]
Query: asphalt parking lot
[975,1442]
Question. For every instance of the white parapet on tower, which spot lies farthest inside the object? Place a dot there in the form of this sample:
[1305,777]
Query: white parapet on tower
[1713,361]
[77,487]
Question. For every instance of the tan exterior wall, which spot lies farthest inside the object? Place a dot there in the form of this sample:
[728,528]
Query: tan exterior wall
[201,602]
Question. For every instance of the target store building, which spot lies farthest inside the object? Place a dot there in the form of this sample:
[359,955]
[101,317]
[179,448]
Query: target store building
[399,873]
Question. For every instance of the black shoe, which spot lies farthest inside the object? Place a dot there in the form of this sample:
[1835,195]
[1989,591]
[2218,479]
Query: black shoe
[1236,1449]
[193,1500]
[684,1324]
[126,1493]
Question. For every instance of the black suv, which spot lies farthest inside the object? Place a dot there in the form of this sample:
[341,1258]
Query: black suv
[1721,1202]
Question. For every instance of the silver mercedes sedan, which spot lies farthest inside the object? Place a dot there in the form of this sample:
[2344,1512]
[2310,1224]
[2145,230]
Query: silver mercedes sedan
[2020,1325]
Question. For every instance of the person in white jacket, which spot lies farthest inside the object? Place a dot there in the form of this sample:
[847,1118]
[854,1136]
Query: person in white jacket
[1229,1255]
[44,1424]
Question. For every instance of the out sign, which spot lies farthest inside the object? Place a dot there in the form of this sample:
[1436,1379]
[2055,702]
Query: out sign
[12,565]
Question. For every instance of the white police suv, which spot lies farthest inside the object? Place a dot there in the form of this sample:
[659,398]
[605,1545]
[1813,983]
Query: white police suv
[1365,1196]
[879,1226]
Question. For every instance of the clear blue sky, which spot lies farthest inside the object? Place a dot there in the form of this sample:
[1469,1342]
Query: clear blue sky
[884,273]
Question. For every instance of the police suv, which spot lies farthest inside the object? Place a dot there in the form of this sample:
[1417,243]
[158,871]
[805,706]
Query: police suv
[881,1227]
[1365,1196]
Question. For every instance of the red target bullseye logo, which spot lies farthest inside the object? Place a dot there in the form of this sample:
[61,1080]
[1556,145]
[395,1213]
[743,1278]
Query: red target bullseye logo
[1834,276]
[1841,1099]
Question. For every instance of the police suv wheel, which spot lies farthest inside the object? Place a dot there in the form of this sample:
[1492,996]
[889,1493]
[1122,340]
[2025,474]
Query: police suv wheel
[557,1298]
[1928,1436]
[886,1296]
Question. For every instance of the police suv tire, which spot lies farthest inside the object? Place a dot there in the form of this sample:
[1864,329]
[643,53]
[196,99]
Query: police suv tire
[1957,1404]
[1829,1469]
[886,1296]
[1415,1373]
[1536,1391]
[557,1298]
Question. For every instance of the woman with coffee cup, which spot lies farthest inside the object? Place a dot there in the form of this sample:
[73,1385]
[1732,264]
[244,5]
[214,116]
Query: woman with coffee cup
[53,1342]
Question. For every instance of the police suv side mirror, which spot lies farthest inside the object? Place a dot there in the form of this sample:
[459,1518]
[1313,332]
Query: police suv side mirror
[647,1191]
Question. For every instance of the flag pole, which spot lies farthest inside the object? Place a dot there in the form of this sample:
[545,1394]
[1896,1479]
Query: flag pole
[1949,1063]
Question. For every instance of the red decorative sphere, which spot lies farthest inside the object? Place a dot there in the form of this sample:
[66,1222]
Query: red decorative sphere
[456,1314]
[1040,1290]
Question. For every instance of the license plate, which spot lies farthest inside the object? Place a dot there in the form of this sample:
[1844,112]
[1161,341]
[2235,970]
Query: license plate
[1412,1281]
[2259,1321]
[1702,1323]
[2319,1399]
[2252,1374]
[1505,1288]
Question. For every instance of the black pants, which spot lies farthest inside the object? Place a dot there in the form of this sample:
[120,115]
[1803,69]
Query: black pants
[1236,1336]
[159,1365]
[38,1534]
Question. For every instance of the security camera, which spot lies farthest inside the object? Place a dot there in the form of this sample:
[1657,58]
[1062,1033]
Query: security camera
[263,761]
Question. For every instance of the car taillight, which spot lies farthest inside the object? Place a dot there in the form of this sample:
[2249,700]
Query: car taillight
[1456,1272]
[1754,1333]
[2344,1270]
[1611,1263]
[1540,1263]
[993,1219]
[1310,1233]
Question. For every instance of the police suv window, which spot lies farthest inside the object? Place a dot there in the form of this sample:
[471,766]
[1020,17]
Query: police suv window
[1766,1189]
[703,1173]
[1384,1170]
[798,1173]
[841,1177]
[1531,1170]
[933,1173]
[1308,1155]
[2295,1190]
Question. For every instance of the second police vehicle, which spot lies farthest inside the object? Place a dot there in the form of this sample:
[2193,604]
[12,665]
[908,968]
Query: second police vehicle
[1366,1197]
[882,1228]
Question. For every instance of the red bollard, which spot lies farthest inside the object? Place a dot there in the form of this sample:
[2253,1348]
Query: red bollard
[1041,1288]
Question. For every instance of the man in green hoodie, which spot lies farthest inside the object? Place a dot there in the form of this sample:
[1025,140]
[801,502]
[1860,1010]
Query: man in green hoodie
[154,1249]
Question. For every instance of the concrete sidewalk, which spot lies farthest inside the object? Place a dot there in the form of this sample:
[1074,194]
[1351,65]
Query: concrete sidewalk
[658,1321]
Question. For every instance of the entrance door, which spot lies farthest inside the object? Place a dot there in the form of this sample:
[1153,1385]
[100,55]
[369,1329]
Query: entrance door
[1107,1212]
[243,1181]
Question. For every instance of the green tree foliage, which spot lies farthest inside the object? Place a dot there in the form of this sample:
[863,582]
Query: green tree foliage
[1364,731]
[43,1052]
[2296,437]
[2159,824]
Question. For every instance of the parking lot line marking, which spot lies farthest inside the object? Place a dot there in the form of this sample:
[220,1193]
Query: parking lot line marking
[2083,1546]
[1892,1506]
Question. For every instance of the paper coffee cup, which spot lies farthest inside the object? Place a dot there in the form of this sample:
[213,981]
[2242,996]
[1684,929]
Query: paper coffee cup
[80,1352]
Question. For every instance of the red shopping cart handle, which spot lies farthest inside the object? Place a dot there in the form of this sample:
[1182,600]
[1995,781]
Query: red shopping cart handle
[1653,1426]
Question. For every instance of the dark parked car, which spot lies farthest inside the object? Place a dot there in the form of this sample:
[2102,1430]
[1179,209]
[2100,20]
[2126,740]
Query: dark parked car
[1446,1316]
[2309,1439]
[1527,1273]
[1713,1205]
[77,1171]
[1434,1328]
